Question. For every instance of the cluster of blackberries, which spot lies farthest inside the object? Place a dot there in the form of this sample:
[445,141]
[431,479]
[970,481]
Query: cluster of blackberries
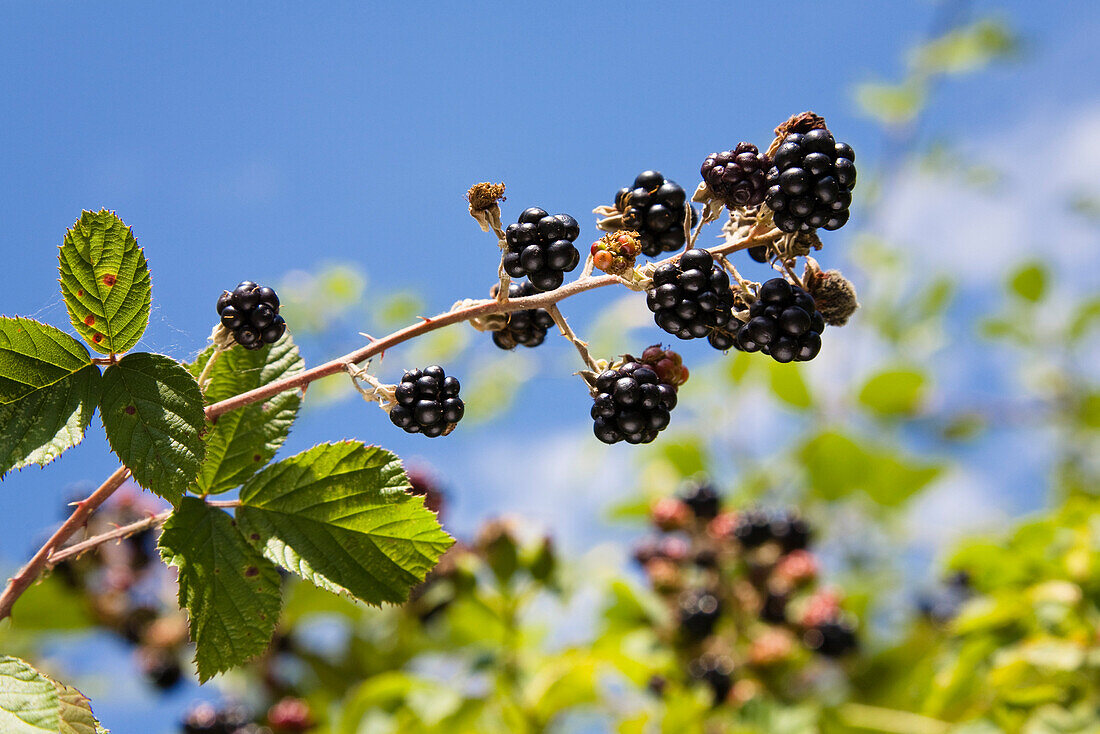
[832,639]
[632,403]
[691,297]
[251,312]
[540,248]
[203,718]
[655,208]
[737,177]
[811,183]
[527,327]
[427,402]
[783,323]
[698,611]
[754,528]
[701,498]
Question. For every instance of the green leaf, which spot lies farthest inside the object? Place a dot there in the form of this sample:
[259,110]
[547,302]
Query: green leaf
[76,712]
[894,392]
[29,703]
[231,593]
[105,282]
[966,49]
[152,410]
[39,427]
[1085,316]
[891,104]
[788,385]
[1029,282]
[35,356]
[341,516]
[838,466]
[240,442]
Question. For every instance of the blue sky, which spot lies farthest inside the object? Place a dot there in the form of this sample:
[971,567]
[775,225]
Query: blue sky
[251,139]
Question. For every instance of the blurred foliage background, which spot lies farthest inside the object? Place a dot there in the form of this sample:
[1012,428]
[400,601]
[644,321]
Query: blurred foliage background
[921,392]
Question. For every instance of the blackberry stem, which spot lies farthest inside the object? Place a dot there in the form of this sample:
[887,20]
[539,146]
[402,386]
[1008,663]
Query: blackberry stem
[567,332]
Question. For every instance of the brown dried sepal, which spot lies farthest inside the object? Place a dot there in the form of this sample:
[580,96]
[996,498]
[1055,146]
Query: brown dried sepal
[484,195]
[803,122]
[834,295]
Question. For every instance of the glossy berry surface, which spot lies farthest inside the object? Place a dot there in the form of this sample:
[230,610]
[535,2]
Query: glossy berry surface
[527,327]
[783,323]
[737,177]
[632,404]
[251,312]
[810,184]
[655,208]
[540,248]
[691,297]
[427,402]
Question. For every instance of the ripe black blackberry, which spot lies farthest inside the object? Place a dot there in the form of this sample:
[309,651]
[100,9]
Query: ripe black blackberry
[716,671]
[654,207]
[753,528]
[831,639]
[251,312]
[783,323]
[427,402]
[691,297]
[702,498]
[811,183]
[632,403]
[527,327]
[698,613]
[540,248]
[736,177]
[791,531]
[774,609]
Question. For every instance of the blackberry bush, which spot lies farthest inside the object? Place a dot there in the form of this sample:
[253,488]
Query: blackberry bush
[691,297]
[655,208]
[524,328]
[540,248]
[427,402]
[251,313]
[811,183]
[737,177]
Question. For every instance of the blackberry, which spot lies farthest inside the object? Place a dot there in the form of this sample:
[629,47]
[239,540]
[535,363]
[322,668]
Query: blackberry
[527,327]
[736,177]
[654,207]
[783,323]
[631,403]
[698,612]
[290,715]
[791,531]
[691,297]
[427,402]
[202,719]
[811,183]
[161,669]
[251,312]
[753,528]
[774,609]
[831,639]
[716,671]
[702,499]
[540,247]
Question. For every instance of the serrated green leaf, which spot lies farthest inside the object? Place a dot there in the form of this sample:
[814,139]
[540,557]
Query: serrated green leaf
[231,593]
[105,282]
[341,516]
[152,409]
[29,703]
[893,392]
[39,427]
[75,712]
[34,356]
[1029,282]
[240,442]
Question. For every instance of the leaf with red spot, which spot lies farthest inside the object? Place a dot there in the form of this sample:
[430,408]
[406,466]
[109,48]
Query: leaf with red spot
[232,594]
[105,282]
